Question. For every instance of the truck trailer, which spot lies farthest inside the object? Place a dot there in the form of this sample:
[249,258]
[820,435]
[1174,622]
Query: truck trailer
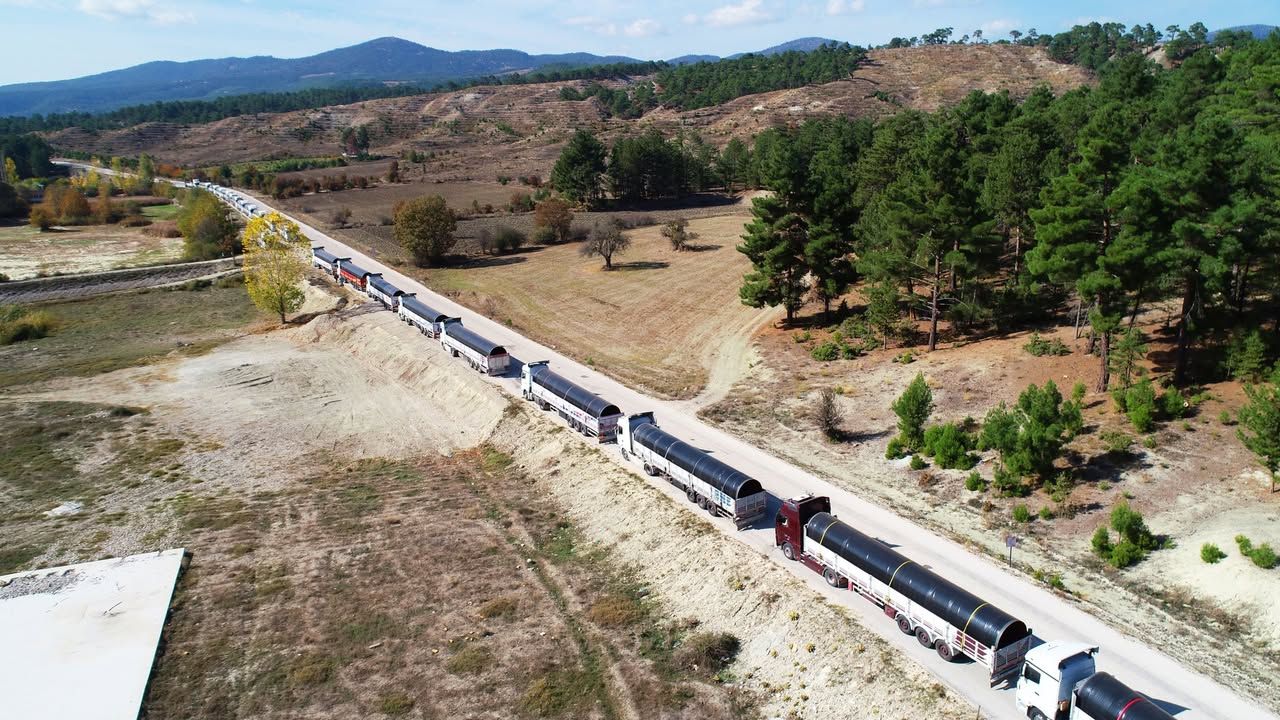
[420,315]
[380,289]
[708,483]
[1060,681]
[585,411]
[327,261]
[941,615]
[350,273]
[482,354]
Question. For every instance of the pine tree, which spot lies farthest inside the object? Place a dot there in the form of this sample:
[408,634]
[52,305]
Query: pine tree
[578,171]
[774,242]
[913,408]
[1127,356]
[1260,427]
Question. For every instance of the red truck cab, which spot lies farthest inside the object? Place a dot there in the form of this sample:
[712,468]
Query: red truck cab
[788,525]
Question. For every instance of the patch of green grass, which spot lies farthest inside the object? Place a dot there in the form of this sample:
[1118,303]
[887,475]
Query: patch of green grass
[21,324]
[213,513]
[470,660]
[161,212]
[109,332]
[14,558]
[395,704]
[560,691]
[495,460]
[368,629]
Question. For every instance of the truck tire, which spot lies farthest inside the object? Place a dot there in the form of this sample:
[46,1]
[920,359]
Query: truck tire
[648,470]
[692,497]
[904,624]
[625,454]
[831,577]
[712,509]
[788,551]
[944,652]
[1035,714]
[922,636]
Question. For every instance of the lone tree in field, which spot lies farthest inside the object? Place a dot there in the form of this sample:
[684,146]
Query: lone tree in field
[554,213]
[275,261]
[677,233]
[1260,431]
[606,241]
[578,172]
[393,172]
[913,409]
[424,228]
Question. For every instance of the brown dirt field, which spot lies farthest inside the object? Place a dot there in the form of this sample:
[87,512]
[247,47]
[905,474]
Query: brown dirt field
[1195,483]
[478,133]
[26,252]
[310,593]
[371,206]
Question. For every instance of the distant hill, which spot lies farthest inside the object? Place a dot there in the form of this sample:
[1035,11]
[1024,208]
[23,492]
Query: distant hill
[1259,31]
[804,44]
[384,60]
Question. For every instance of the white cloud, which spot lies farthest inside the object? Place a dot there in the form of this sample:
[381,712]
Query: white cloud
[1000,26]
[1086,19]
[690,19]
[644,27]
[136,9]
[747,12]
[593,24]
[844,7]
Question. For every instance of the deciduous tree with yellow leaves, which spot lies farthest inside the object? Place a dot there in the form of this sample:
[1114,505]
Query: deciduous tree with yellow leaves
[275,261]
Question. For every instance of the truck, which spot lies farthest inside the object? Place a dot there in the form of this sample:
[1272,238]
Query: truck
[1060,681]
[585,411]
[420,315]
[349,272]
[380,289]
[482,354]
[941,615]
[708,483]
[327,261]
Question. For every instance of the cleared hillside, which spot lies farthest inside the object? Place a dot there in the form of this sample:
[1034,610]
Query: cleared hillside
[518,129]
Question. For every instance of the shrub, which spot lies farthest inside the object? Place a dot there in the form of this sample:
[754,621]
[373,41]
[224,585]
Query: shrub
[974,482]
[1116,442]
[1211,553]
[905,358]
[340,217]
[1173,404]
[1101,542]
[917,462]
[1245,545]
[1246,357]
[503,607]
[1129,523]
[825,352]
[1263,556]
[1125,554]
[1038,346]
[543,236]
[1045,513]
[508,239]
[1021,514]
[802,337]
[395,703]
[706,653]
[1140,405]
[828,414]
[949,446]
[1225,418]
[677,233]
[1008,483]
[895,450]
[1078,392]
[470,660]
[615,611]
[18,324]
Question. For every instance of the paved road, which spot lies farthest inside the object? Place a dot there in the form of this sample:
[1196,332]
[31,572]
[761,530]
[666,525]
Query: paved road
[1183,692]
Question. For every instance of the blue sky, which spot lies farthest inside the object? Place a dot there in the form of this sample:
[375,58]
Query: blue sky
[56,39]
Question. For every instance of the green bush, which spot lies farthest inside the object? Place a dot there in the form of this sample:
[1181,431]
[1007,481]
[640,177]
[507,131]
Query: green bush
[913,408]
[974,482]
[1039,346]
[826,352]
[1078,392]
[849,351]
[544,236]
[1245,545]
[1116,442]
[1225,418]
[1101,542]
[1009,484]
[949,446]
[1211,553]
[1140,405]
[1173,404]
[917,462]
[508,239]
[1246,357]
[1125,554]
[1263,556]
[1045,513]
[1021,514]
[896,449]
[802,337]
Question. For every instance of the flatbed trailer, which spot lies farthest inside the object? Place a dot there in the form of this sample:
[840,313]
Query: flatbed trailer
[708,483]
[942,616]
[585,411]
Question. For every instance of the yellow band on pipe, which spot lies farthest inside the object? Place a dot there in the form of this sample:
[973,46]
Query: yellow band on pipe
[824,531]
[975,612]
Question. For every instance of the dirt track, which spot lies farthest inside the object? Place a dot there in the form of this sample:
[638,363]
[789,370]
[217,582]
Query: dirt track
[64,287]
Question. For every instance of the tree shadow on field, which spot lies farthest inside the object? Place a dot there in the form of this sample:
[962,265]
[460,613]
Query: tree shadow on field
[485,262]
[697,247]
[642,265]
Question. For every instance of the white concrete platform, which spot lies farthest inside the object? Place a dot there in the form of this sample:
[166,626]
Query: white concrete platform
[77,642]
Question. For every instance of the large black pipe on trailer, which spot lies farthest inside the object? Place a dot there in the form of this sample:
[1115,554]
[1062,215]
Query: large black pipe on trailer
[475,341]
[728,480]
[1103,697]
[968,613]
[572,393]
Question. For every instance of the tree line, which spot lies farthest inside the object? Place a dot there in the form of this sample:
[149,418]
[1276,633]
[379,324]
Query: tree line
[1155,185]
[641,167]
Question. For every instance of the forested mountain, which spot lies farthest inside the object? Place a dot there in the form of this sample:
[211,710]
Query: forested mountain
[383,60]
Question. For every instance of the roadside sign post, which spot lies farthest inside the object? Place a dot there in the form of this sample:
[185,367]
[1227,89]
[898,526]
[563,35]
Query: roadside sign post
[1011,541]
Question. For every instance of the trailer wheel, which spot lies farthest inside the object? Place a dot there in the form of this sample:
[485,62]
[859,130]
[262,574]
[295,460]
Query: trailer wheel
[693,497]
[1035,714]
[904,624]
[831,577]
[788,551]
[625,454]
[710,507]
[922,636]
[944,652]
[648,470]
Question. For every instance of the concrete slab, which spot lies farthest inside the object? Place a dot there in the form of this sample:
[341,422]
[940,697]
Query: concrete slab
[77,642]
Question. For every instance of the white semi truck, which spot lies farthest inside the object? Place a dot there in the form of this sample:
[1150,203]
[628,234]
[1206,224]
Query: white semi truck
[710,484]
[585,411]
[1060,681]
[482,354]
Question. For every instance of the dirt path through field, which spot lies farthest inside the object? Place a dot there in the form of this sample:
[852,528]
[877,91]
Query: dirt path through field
[729,359]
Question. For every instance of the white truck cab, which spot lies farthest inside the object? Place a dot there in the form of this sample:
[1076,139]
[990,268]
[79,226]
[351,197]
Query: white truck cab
[1050,674]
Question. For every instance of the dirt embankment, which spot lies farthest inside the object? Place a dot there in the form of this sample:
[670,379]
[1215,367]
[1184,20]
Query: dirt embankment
[63,287]
[275,428]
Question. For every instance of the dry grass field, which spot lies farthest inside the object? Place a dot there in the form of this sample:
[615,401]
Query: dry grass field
[26,252]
